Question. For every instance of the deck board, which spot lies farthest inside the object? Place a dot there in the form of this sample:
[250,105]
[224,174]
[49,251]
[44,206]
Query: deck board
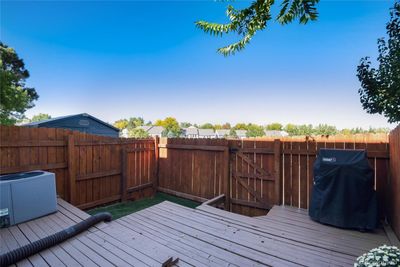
[204,236]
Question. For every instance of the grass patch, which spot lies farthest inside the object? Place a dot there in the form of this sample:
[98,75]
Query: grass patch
[119,210]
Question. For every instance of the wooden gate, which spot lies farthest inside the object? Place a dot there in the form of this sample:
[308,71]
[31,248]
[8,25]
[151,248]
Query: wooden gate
[138,170]
[255,183]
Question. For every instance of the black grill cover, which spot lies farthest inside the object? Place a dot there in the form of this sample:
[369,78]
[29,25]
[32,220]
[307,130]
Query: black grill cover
[343,194]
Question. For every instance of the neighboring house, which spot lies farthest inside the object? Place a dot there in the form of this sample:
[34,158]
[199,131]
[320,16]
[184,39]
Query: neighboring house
[222,133]
[207,133]
[275,133]
[191,132]
[124,133]
[153,131]
[80,122]
[241,133]
[146,128]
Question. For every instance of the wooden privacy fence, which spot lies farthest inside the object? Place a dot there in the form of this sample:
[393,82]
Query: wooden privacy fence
[254,174]
[394,183]
[90,170]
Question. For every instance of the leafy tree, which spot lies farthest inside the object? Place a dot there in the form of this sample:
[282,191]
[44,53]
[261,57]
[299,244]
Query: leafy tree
[217,127]
[171,127]
[121,124]
[291,129]
[135,122]
[248,21]
[185,124]
[325,129]
[274,126]
[378,130]
[232,133]
[226,126]
[254,130]
[207,126]
[137,133]
[305,129]
[380,88]
[158,122]
[149,123]
[357,130]
[40,117]
[15,96]
[240,126]
[346,131]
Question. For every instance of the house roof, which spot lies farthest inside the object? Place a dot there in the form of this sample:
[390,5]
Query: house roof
[206,132]
[191,131]
[37,123]
[157,130]
[241,133]
[145,127]
[223,132]
[275,133]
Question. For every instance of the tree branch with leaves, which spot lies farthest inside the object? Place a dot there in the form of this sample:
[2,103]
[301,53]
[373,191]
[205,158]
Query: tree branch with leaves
[15,96]
[380,87]
[248,21]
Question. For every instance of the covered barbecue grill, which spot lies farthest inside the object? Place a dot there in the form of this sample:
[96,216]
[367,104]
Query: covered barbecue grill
[343,194]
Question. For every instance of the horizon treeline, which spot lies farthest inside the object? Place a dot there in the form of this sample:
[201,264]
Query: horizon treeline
[254,130]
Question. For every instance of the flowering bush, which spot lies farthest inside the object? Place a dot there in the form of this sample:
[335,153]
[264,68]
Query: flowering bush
[382,256]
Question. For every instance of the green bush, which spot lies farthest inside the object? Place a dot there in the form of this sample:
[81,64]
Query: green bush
[382,256]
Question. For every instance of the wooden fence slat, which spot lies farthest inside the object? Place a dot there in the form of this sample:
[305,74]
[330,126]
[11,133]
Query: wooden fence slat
[277,171]
[393,186]
[71,169]
[124,175]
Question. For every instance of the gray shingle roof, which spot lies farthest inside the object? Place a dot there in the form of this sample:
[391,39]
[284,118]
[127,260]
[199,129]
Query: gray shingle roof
[146,127]
[36,123]
[275,133]
[156,130]
[222,132]
[241,133]
[191,131]
[206,132]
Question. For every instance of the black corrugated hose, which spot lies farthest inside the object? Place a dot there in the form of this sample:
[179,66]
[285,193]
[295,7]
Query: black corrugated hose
[21,253]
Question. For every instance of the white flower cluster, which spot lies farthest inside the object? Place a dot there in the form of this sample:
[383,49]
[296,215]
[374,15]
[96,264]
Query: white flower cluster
[382,256]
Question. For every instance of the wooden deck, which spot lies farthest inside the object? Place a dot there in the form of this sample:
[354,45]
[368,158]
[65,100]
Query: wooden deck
[205,236]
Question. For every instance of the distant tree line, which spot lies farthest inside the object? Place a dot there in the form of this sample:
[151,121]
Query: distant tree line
[173,128]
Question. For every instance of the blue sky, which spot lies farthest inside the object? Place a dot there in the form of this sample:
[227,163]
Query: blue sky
[146,58]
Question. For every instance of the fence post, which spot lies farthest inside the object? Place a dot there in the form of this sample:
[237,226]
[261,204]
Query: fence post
[228,178]
[72,169]
[277,167]
[156,161]
[124,173]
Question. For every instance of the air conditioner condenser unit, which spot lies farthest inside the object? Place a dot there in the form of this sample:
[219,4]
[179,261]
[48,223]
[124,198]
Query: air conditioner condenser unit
[26,196]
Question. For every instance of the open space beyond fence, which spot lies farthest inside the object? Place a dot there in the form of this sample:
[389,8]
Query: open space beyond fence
[252,174]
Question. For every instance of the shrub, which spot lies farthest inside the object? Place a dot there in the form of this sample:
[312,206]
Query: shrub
[381,256]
